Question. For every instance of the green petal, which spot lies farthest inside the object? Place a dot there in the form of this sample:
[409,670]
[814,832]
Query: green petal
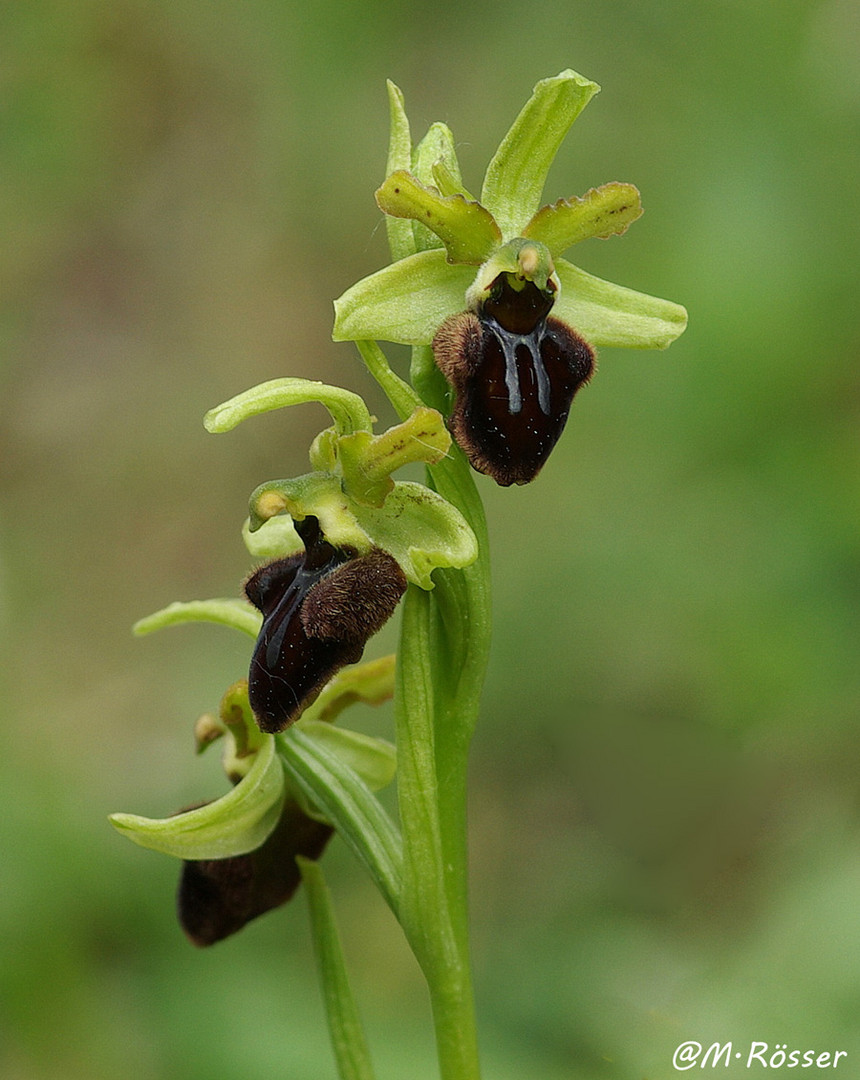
[347,409]
[236,823]
[421,530]
[604,211]
[516,175]
[467,230]
[366,461]
[435,157]
[401,238]
[230,612]
[610,315]
[405,302]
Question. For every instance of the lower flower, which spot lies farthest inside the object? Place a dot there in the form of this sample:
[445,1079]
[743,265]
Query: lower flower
[217,897]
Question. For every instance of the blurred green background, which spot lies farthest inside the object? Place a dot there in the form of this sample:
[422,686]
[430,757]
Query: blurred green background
[665,819]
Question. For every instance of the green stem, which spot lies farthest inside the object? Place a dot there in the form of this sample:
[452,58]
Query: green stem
[431,912]
[441,665]
[444,645]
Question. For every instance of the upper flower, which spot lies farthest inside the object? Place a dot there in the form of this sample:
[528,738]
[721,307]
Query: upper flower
[441,234]
[514,367]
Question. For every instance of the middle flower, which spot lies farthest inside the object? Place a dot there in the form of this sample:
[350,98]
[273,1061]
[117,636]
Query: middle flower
[319,608]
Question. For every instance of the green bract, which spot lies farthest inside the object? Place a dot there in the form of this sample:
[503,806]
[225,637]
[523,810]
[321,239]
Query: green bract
[351,491]
[436,278]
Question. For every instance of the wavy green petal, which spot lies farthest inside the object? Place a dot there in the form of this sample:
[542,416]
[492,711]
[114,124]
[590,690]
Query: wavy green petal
[611,315]
[435,155]
[404,302]
[515,177]
[238,614]
[238,822]
[604,211]
[467,230]
[347,409]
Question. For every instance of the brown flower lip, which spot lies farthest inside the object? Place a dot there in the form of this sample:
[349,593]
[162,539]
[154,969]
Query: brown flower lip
[515,370]
[217,897]
[319,607]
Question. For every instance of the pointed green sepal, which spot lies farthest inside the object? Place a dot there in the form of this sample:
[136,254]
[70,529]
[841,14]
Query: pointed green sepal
[467,230]
[420,530]
[374,759]
[604,211]
[238,614]
[347,409]
[611,315]
[515,177]
[401,237]
[236,823]
[437,149]
[404,302]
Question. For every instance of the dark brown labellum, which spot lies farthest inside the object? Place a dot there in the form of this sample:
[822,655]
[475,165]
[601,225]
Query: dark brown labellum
[217,897]
[319,609]
[515,371]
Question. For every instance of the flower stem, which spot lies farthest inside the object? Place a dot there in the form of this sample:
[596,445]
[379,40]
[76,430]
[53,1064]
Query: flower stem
[441,665]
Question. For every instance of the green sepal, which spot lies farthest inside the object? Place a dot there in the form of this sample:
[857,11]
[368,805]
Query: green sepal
[515,177]
[435,155]
[401,236]
[404,302]
[238,614]
[348,411]
[604,211]
[371,758]
[611,315]
[437,149]
[238,822]
[467,230]
[419,528]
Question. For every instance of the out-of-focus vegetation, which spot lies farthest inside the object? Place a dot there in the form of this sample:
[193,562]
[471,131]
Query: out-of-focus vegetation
[666,834]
